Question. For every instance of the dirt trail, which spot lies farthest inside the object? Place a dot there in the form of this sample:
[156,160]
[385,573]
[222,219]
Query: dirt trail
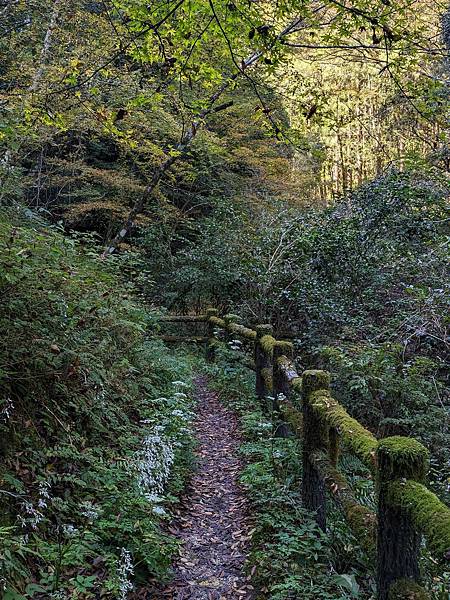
[213,522]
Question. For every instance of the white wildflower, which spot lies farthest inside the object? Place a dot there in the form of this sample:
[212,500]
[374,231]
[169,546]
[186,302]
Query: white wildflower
[69,530]
[153,498]
[44,487]
[235,344]
[44,494]
[180,414]
[180,384]
[33,516]
[159,510]
[124,570]
[154,462]
[89,510]
[6,411]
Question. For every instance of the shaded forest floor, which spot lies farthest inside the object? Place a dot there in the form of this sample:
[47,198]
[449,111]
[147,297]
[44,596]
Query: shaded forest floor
[213,521]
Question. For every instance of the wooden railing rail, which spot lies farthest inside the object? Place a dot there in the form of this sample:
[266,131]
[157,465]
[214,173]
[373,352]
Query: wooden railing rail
[406,510]
[184,318]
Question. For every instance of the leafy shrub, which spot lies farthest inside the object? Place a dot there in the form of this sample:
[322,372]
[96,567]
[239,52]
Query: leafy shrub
[95,423]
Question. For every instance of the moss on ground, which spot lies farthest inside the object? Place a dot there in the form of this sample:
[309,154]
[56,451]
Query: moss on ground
[404,589]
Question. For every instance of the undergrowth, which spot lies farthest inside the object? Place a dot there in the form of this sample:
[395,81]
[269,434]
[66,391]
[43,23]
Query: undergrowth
[290,557]
[94,423]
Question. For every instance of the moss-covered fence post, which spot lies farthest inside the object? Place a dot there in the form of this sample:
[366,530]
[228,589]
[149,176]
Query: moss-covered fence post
[211,343]
[263,364]
[229,319]
[315,438]
[398,458]
[281,385]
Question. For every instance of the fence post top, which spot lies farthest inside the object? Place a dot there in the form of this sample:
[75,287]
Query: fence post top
[262,330]
[400,457]
[314,380]
[282,347]
[231,318]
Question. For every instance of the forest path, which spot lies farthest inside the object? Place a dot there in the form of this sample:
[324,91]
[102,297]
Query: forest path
[213,520]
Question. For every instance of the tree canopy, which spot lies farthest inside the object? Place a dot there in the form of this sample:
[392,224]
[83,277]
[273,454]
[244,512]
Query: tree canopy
[284,162]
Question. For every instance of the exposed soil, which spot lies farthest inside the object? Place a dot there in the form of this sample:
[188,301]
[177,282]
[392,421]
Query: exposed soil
[213,522]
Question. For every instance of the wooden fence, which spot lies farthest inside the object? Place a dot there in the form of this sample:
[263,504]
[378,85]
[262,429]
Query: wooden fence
[407,511]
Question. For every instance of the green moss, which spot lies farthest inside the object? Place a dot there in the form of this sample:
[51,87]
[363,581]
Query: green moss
[401,457]
[266,375]
[334,446]
[297,384]
[358,439]
[292,416]
[262,330]
[217,322]
[405,589]
[242,331]
[286,348]
[268,343]
[428,513]
[287,368]
[362,521]
[230,318]
[284,363]
[314,380]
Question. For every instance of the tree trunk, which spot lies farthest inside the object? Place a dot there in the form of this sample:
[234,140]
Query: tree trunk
[46,46]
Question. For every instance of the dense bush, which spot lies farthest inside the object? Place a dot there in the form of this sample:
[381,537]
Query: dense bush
[94,423]
[361,286]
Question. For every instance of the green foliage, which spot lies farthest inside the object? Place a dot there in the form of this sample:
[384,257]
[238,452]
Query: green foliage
[394,394]
[360,286]
[95,422]
[93,98]
[290,556]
